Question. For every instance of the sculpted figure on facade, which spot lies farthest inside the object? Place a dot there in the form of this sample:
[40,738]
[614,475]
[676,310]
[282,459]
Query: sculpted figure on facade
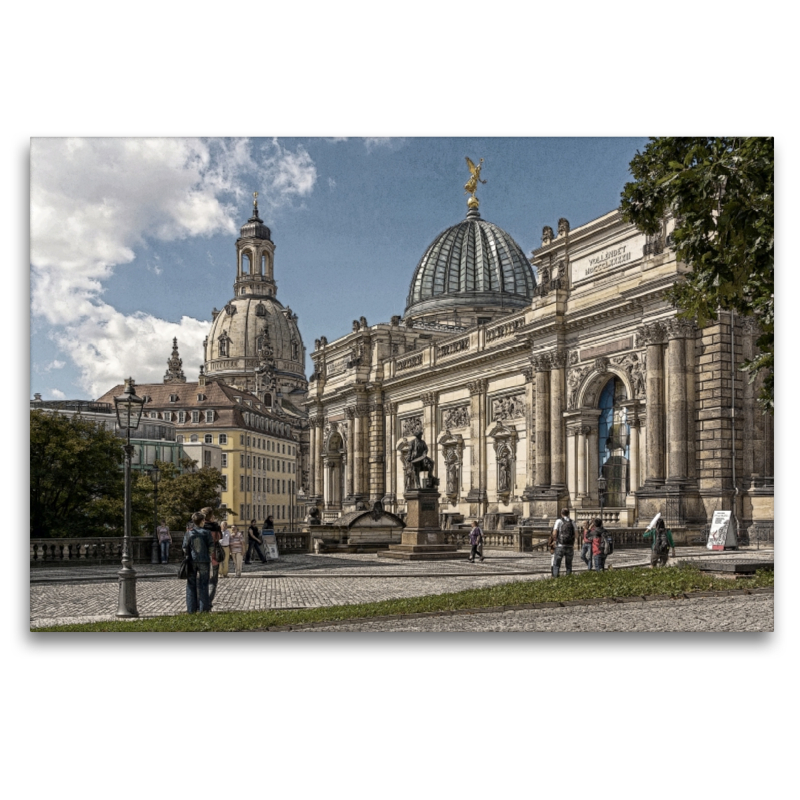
[456,417]
[547,235]
[452,463]
[510,407]
[574,381]
[563,227]
[411,426]
[635,364]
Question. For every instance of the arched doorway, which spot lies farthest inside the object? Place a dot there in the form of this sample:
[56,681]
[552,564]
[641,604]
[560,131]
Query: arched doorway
[613,442]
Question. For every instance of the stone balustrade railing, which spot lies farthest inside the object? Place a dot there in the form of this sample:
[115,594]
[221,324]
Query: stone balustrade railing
[504,329]
[108,550]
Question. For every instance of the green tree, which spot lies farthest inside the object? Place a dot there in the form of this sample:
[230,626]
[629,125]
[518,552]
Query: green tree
[721,193]
[73,463]
[181,492]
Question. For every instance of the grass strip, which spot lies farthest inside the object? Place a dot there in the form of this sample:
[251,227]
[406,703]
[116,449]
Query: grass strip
[640,581]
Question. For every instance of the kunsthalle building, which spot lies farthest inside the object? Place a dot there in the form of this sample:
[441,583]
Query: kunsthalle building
[566,386]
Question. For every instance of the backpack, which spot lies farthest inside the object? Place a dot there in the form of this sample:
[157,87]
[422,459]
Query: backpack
[566,533]
[661,546]
[608,545]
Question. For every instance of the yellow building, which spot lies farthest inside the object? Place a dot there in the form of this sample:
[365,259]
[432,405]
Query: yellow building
[259,445]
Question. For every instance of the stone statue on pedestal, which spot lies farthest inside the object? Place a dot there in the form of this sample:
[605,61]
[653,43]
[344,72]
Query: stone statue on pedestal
[418,461]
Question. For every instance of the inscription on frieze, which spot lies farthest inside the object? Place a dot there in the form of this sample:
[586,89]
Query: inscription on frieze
[589,353]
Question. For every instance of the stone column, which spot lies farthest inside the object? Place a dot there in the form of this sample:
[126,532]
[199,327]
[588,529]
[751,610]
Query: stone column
[319,487]
[558,452]
[592,462]
[653,335]
[430,427]
[390,409]
[582,433]
[633,427]
[677,408]
[541,364]
[477,415]
[359,488]
[530,422]
[350,413]
[377,483]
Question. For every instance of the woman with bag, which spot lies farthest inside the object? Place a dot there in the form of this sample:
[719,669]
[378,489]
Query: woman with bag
[237,549]
[225,541]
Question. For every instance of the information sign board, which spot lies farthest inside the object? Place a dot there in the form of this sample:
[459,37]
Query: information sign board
[722,534]
[271,546]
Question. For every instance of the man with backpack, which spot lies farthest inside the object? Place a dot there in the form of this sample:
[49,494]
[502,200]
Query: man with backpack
[197,543]
[661,544]
[564,532]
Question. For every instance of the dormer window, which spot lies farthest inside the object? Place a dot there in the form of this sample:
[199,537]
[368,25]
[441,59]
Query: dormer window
[238,399]
[181,416]
[201,397]
[195,416]
[209,416]
[173,398]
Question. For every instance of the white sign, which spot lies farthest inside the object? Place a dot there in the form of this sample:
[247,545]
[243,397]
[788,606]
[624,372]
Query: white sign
[271,546]
[602,261]
[722,534]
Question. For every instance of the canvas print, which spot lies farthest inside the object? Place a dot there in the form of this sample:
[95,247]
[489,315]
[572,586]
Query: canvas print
[402,384]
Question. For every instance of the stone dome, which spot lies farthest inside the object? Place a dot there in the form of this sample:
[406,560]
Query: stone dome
[472,265]
[250,330]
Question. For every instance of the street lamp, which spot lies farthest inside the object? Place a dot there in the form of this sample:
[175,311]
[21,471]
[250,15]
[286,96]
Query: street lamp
[155,476]
[601,491]
[129,411]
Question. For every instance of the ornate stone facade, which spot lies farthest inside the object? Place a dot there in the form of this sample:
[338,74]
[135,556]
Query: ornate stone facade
[523,411]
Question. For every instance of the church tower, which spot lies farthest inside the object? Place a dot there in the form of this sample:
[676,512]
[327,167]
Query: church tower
[254,342]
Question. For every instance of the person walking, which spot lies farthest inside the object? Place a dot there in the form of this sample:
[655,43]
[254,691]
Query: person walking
[476,542]
[225,541]
[237,549]
[197,544]
[661,544]
[598,545]
[164,541]
[254,543]
[212,526]
[564,531]
[586,544]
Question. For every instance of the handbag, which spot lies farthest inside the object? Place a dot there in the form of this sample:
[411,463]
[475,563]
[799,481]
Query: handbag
[219,553]
[185,568]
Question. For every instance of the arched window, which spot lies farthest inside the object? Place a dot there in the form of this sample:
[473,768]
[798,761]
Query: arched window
[268,399]
[245,263]
[208,439]
[613,442]
[194,438]
[263,263]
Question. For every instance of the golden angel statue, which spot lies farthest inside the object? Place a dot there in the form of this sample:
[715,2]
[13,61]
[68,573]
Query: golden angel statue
[472,184]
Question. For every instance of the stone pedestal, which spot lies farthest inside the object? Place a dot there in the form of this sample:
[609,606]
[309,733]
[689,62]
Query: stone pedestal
[422,538]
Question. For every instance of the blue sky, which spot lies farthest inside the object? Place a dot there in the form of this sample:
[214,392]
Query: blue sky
[132,240]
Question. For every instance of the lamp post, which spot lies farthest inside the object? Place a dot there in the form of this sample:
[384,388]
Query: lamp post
[155,476]
[601,491]
[129,411]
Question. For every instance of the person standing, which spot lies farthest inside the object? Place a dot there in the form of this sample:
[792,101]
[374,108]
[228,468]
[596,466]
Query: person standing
[564,531]
[212,526]
[164,541]
[225,541]
[476,542]
[598,543]
[254,543]
[197,544]
[237,549]
[661,544]
[586,544]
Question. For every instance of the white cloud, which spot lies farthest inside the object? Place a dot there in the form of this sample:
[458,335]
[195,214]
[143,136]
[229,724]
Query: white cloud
[331,184]
[94,202]
[374,142]
[110,346]
[57,394]
[54,365]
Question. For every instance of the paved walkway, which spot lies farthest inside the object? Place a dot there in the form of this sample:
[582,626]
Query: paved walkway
[89,593]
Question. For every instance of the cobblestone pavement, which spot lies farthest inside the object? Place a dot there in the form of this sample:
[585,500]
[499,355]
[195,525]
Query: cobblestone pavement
[89,593]
[701,614]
